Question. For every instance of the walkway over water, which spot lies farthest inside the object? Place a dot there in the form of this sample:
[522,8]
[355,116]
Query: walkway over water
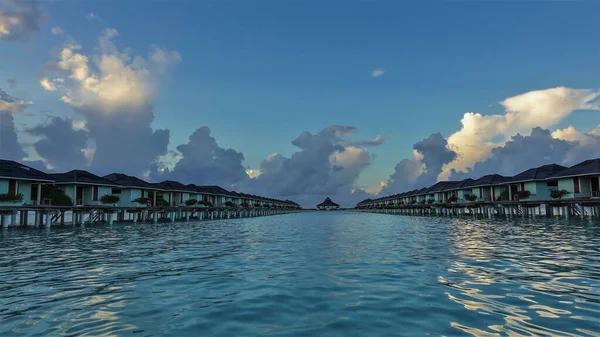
[306,274]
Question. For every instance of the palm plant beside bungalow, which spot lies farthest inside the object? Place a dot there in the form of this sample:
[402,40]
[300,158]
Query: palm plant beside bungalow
[56,195]
[143,201]
[422,202]
[11,197]
[470,197]
[558,194]
[503,196]
[522,194]
[452,199]
[191,202]
[230,204]
[109,199]
[430,201]
[160,201]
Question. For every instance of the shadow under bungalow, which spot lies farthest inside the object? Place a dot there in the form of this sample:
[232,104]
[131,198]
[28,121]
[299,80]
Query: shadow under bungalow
[88,198]
[546,190]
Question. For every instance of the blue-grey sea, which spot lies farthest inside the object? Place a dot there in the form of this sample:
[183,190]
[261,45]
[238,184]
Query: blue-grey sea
[307,274]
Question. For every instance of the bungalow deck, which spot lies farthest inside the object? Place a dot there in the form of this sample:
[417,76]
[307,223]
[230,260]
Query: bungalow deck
[48,216]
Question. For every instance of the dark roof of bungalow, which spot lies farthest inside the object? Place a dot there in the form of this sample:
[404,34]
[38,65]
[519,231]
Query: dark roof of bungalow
[129,181]
[328,202]
[538,173]
[211,189]
[421,191]
[410,193]
[487,180]
[588,167]
[439,186]
[171,185]
[81,177]
[13,170]
[456,185]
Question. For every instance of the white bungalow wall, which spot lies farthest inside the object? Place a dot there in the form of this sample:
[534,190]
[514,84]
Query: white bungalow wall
[569,185]
[23,187]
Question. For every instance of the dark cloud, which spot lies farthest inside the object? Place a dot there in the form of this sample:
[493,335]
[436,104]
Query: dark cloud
[204,162]
[125,141]
[524,152]
[435,155]
[423,170]
[12,83]
[10,104]
[19,19]
[371,142]
[326,165]
[61,146]
[9,147]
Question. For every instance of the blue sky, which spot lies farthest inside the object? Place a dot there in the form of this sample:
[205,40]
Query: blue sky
[259,73]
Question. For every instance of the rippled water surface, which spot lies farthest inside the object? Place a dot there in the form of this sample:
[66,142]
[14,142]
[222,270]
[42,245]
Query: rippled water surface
[309,274]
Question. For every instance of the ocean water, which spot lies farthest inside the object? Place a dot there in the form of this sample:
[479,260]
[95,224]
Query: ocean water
[308,274]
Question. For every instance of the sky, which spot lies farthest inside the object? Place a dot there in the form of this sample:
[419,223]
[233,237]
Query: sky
[299,99]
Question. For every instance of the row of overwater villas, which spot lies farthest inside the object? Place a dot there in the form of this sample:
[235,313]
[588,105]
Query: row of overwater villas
[86,189]
[581,181]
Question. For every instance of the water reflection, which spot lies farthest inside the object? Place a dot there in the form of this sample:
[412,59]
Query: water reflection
[311,274]
[549,267]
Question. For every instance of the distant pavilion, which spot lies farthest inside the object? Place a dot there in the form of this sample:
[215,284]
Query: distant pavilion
[328,205]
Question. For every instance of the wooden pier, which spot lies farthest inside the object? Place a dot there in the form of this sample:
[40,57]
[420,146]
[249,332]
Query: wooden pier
[48,216]
[572,208]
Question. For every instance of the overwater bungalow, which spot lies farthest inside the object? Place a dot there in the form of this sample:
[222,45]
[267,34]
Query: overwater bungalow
[17,179]
[84,188]
[173,193]
[486,188]
[133,190]
[581,180]
[533,184]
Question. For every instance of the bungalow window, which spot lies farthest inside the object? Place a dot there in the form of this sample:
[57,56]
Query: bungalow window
[522,186]
[480,192]
[95,193]
[552,184]
[576,185]
[34,189]
[116,191]
[12,187]
[180,197]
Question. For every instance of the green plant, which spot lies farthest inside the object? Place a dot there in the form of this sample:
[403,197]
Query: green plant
[452,198]
[191,202]
[266,206]
[245,205]
[430,201]
[109,199]
[57,196]
[522,194]
[142,201]
[422,202]
[230,204]
[205,203]
[11,197]
[503,196]
[558,194]
[256,204]
[412,202]
[160,200]
[470,197]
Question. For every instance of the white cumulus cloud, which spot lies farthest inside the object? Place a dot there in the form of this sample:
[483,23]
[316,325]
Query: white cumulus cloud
[377,72]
